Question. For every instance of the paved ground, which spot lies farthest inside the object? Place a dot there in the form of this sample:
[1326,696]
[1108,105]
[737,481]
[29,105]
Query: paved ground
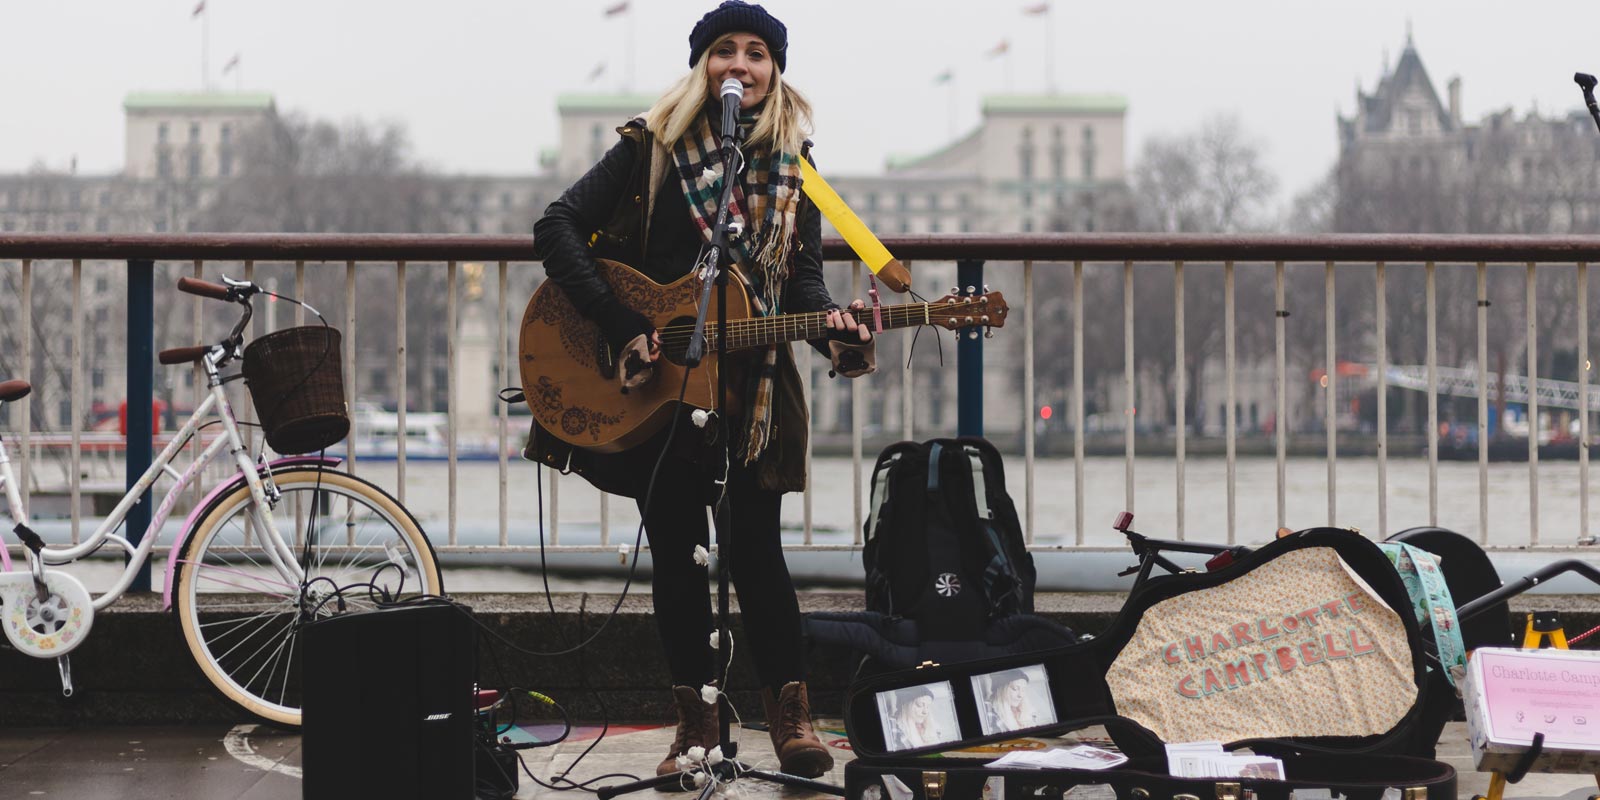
[246,763]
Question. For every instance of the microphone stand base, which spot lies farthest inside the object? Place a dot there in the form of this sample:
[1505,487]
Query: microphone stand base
[722,774]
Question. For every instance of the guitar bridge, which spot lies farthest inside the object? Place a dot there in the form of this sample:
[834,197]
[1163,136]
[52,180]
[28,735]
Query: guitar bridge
[604,358]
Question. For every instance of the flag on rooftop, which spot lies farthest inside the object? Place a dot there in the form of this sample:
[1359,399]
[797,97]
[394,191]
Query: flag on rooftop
[943,78]
[1036,8]
[198,10]
[619,8]
[232,62]
[1000,49]
[599,69]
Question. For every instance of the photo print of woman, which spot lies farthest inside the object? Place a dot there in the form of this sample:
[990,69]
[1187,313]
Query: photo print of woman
[918,716]
[1013,699]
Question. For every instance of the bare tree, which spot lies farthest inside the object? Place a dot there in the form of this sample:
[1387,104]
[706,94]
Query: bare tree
[304,175]
[1211,180]
[311,176]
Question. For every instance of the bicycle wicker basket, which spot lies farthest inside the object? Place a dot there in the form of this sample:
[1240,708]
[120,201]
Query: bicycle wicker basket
[297,385]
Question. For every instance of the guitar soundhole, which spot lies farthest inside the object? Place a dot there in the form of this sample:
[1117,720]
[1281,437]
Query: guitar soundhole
[675,337]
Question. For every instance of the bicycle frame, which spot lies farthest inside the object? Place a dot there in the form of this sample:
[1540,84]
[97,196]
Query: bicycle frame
[280,552]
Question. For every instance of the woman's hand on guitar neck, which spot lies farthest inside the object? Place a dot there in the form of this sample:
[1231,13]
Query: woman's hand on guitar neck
[851,345]
[843,320]
[638,360]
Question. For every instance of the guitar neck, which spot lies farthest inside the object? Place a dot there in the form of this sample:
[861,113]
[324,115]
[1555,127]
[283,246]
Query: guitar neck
[762,331]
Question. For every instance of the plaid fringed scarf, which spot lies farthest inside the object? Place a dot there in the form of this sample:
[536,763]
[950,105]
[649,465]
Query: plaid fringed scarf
[770,193]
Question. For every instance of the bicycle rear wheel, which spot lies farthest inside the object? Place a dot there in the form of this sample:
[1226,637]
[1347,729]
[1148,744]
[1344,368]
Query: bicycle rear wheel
[241,619]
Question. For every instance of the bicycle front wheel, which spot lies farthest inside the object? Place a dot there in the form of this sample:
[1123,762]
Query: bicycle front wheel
[241,617]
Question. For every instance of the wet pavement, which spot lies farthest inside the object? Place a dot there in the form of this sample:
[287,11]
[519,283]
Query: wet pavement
[247,762]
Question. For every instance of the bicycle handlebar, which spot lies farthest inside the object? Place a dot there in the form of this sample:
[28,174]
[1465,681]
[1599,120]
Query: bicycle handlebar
[229,290]
[215,291]
[183,355]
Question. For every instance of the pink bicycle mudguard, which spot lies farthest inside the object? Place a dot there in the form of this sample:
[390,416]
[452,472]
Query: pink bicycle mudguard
[221,490]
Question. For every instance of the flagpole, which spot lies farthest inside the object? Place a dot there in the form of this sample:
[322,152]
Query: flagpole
[205,48]
[1050,49]
[952,98]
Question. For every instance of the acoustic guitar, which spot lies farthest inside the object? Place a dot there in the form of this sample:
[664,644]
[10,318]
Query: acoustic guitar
[570,375]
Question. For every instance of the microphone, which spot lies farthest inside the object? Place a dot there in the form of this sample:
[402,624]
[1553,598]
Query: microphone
[732,94]
[1587,83]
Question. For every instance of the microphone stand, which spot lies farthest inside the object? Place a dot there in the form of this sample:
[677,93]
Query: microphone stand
[714,268]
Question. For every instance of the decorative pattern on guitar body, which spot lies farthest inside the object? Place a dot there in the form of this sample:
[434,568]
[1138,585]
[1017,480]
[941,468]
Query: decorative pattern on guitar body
[570,381]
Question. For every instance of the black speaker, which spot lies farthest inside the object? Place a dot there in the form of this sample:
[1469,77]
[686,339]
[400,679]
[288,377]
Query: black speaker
[387,704]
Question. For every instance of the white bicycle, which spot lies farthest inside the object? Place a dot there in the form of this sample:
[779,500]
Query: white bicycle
[279,545]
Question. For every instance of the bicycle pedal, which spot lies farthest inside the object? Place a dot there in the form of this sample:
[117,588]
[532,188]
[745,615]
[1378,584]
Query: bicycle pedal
[64,665]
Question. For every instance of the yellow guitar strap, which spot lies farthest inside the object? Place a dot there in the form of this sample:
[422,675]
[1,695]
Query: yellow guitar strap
[855,232]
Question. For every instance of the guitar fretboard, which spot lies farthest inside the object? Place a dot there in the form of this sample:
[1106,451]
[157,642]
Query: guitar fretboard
[762,331]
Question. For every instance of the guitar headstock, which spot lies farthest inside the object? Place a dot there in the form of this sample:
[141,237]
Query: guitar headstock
[956,310]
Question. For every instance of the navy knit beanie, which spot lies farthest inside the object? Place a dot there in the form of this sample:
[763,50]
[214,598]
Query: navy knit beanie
[734,16]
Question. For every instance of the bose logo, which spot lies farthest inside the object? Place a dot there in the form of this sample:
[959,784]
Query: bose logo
[436,717]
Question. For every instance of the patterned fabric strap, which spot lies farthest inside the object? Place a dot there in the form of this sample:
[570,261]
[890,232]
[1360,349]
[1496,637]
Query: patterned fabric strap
[1431,602]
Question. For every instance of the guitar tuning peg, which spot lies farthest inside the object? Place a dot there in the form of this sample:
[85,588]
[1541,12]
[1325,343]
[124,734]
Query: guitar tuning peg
[973,334]
[955,290]
[988,333]
[972,290]
[986,288]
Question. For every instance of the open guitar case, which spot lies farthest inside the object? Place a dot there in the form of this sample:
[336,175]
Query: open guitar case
[1356,720]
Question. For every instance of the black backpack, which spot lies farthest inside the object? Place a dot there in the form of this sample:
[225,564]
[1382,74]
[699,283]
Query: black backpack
[943,543]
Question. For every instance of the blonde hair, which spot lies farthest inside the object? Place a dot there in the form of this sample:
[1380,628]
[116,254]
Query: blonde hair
[784,123]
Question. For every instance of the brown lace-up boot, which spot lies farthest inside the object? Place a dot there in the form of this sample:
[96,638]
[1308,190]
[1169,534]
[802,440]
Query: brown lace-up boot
[697,727]
[799,750]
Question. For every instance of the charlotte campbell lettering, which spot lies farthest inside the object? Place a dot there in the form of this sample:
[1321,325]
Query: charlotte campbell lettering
[1544,675]
[1249,652]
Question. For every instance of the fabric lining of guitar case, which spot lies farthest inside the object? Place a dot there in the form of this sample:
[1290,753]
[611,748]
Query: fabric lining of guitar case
[1356,691]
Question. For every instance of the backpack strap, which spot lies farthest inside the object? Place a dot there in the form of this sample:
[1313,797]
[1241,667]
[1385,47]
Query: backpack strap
[880,491]
[980,492]
[935,449]
[1000,581]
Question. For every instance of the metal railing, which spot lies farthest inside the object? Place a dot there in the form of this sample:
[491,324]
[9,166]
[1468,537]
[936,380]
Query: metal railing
[1016,262]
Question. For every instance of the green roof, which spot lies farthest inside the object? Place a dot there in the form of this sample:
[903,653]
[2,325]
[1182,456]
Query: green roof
[1054,103]
[902,161]
[626,103]
[198,100]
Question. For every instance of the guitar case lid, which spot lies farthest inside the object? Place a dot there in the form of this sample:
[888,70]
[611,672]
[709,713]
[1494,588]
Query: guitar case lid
[1299,646]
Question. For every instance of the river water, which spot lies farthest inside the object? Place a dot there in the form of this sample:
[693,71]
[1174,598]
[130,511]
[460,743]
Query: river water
[835,514]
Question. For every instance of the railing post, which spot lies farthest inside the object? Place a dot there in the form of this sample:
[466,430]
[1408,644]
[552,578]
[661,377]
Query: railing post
[969,358]
[141,397]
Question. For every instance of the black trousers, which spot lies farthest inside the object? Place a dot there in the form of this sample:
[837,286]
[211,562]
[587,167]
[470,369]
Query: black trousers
[674,523]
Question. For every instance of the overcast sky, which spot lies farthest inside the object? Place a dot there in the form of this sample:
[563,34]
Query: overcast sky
[475,81]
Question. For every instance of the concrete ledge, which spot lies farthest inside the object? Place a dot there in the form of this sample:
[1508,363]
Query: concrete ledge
[134,668]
